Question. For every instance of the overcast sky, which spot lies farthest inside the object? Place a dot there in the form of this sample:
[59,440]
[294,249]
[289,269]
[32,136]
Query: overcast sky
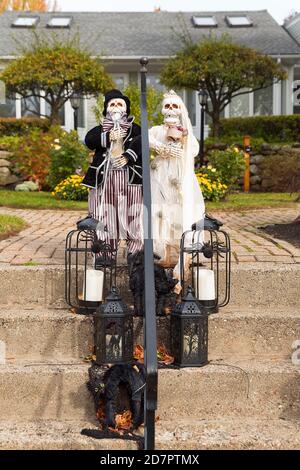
[279,10]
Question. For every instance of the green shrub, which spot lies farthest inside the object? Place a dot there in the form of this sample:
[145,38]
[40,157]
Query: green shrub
[9,142]
[269,128]
[14,126]
[47,157]
[71,189]
[282,172]
[67,154]
[31,156]
[236,140]
[229,164]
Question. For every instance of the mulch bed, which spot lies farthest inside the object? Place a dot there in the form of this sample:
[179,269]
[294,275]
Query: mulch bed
[288,232]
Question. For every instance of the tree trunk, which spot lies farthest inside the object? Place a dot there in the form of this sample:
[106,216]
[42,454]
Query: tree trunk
[54,116]
[216,125]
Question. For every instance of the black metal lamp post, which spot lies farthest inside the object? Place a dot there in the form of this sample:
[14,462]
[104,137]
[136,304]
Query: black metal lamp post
[114,331]
[75,103]
[202,97]
[150,401]
[90,270]
[189,332]
[210,251]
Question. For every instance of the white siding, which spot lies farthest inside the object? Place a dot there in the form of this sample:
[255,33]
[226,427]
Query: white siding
[90,116]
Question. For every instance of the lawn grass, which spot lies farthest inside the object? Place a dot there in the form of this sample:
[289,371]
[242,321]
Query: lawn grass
[236,201]
[10,225]
[241,201]
[37,200]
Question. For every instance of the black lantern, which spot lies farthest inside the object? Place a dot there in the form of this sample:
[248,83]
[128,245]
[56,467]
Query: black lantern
[75,103]
[114,331]
[90,269]
[202,97]
[209,251]
[189,332]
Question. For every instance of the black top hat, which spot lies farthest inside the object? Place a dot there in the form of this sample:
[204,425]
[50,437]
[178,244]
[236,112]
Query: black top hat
[110,95]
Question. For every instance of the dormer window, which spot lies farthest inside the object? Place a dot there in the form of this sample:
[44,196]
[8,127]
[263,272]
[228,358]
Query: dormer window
[59,22]
[26,22]
[207,21]
[238,21]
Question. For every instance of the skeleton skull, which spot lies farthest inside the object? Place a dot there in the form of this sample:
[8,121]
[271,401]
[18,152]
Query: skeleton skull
[116,108]
[171,111]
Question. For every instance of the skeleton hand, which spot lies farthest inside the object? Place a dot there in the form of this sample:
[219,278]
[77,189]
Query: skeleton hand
[167,151]
[119,162]
[163,151]
[117,134]
[176,152]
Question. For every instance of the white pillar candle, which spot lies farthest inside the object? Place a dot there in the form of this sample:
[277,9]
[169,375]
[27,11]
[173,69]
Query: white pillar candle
[204,281]
[93,287]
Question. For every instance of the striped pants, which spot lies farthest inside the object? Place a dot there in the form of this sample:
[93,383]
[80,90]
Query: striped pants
[121,210]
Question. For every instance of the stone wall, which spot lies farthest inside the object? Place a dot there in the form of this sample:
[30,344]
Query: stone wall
[258,156]
[6,176]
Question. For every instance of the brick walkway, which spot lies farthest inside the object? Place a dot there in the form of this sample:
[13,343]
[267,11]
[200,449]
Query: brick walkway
[42,243]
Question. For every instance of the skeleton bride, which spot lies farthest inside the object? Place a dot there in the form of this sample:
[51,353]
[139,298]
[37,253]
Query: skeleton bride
[177,201]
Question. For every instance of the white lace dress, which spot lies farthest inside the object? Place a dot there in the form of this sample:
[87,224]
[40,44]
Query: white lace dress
[177,200]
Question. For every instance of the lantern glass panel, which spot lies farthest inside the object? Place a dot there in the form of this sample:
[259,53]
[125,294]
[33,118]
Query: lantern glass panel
[114,340]
[128,337]
[195,340]
[190,341]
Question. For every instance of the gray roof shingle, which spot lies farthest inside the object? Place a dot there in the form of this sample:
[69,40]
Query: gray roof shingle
[127,34]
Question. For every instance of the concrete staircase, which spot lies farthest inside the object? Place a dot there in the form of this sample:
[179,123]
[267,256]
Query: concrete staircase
[248,397]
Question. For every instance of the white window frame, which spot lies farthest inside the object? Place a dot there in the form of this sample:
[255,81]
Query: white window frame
[32,25]
[214,22]
[237,25]
[63,26]
[125,76]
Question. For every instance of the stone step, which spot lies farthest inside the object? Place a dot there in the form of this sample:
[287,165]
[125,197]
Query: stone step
[270,389]
[41,334]
[56,435]
[252,285]
[242,333]
[225,433]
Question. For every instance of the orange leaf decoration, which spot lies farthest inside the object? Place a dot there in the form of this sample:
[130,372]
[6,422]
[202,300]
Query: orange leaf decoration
[139,353]
[164,356]
[124,420]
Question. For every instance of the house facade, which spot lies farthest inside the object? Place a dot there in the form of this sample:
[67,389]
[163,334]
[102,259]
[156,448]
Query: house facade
[292,26]
[120,39]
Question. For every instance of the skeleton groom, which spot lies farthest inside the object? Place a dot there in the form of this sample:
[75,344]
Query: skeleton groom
[115,175]
[176,195]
